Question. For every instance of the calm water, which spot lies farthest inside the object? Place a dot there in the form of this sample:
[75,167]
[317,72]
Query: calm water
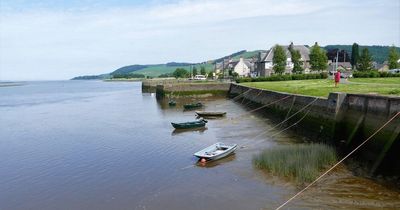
[99,145]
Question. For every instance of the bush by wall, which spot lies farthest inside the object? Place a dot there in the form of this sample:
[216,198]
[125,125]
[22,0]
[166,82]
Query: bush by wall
[284,77]
[373,74]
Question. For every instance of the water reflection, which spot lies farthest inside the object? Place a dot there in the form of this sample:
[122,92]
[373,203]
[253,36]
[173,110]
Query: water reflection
[192,130]
[95,145]
[214,163]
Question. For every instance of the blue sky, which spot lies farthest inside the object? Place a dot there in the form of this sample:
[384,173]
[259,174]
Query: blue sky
[44,40]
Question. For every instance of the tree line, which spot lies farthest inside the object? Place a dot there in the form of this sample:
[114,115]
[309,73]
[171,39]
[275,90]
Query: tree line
[183,73]
[319,59]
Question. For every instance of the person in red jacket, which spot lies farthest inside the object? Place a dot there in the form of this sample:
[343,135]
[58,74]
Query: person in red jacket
[337,78]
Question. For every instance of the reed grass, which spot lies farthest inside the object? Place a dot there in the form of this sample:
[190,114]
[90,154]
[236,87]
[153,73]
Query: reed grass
[303,163]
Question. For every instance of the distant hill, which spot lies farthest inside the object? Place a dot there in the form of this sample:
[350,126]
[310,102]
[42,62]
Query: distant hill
[379,54]
[154,70]
[128,69]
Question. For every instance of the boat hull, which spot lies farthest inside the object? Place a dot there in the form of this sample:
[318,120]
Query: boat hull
[192,106]
[189,125]
[210,114]
[211,153]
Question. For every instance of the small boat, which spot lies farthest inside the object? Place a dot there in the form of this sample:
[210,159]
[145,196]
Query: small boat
[172,103]
[193,105]
[216,151]
[186,125]
[210,114]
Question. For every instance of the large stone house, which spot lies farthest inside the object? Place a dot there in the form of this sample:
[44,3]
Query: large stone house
[244,67]
[264,64]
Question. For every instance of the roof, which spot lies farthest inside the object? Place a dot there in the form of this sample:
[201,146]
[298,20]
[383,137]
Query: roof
[344,65]
[304,52]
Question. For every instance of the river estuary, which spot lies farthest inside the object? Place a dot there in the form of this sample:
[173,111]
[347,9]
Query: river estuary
[107,145]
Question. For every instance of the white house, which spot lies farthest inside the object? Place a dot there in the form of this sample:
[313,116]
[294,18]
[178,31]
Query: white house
[243,67]
[305,58]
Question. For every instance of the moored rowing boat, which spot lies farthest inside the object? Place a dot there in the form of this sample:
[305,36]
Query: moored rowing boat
[216,151]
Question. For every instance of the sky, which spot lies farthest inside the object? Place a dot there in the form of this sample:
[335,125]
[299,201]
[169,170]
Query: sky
[61,39]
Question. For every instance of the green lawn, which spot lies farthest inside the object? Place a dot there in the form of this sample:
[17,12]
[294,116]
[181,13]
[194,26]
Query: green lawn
[322,87]
[388,80]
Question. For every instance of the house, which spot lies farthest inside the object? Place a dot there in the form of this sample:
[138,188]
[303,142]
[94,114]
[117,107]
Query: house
[342,66]
[305,58]
[381,66]
[225,66]
[244,67]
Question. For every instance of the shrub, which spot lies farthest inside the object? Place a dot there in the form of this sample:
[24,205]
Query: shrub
[302,163]
[373,74]
[284,77]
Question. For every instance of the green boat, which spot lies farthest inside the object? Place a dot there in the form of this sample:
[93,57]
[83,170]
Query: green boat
[172,103]
[187,125]
[193,105]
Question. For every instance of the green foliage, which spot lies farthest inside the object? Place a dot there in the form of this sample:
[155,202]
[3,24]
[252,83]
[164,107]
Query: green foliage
[194,71]
[203,70]
[210,75]
[127,75]
[285,77]
[88,77]
[393,58]
[373,74]
[354,55]
[379,53]
[302,163]
[318,58]
[235,75]
[180,73]
[365,61]
[279,59]
[297,63]
[165,75]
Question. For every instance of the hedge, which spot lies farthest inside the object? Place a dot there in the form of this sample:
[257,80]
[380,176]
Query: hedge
[284,77]
[373,74]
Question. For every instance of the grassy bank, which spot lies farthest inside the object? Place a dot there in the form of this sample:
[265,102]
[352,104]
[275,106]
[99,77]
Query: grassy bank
[322,87]
[302,163]
[389,80]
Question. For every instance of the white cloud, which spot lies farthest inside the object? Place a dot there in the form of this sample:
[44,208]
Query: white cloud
[60,44]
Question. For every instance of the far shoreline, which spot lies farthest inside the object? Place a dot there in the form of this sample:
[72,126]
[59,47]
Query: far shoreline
[11,84]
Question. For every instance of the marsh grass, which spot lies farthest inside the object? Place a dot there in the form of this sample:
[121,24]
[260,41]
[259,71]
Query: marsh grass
[302,163]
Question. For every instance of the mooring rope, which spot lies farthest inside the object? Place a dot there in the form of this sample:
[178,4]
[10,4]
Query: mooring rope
[287,115]
[254,98]
[334,166]
[291,125]
[234,98]
[309,104]
[264,106]
[243,146]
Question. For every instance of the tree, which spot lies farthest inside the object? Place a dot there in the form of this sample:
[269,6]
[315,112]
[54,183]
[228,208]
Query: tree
[180,73]
[354,55]
[202,70]
[279,60]
[318,58]
[393,58]
[365,61]
[194,70]
[297,63]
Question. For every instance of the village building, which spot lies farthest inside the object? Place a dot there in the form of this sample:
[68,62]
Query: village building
[342,66]
[265,64]
[381,66]
[244,67]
